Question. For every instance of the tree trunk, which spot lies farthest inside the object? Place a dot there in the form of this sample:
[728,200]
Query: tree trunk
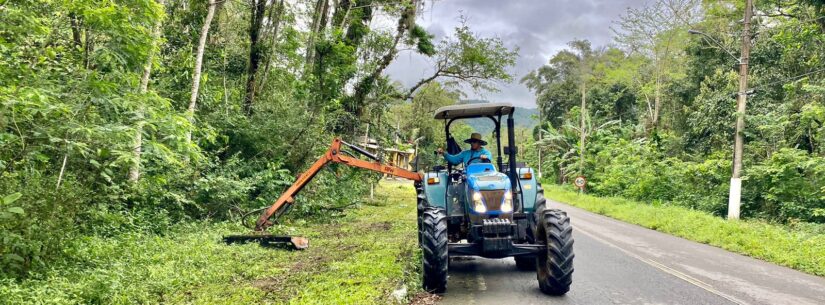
[421,83]
[87,49]
[657,101]
[316,28]
[322,25]
[196,73]
[256,21]
[137,150]
[342,9]
[365,85]
[276,24]
[76,28]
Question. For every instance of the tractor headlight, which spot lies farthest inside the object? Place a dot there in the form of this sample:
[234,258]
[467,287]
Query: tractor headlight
[478,204]
[507,203]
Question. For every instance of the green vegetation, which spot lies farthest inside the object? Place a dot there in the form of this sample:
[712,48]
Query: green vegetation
[651,117]
[357,258]
[122,121]
[134,132]
[798,247]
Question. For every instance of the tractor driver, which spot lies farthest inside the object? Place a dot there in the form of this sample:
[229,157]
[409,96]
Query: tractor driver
[476,154]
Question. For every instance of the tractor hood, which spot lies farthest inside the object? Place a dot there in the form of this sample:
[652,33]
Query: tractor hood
[484,177]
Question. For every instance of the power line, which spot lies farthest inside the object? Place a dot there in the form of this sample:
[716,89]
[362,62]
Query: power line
[794,78]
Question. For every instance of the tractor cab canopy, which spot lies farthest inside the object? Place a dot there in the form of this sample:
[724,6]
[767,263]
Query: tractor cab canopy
[467,111]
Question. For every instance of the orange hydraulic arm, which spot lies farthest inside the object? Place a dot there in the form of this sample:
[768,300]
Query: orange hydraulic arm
[332,155]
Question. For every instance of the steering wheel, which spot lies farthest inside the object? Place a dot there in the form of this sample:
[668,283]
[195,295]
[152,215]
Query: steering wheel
[479,158]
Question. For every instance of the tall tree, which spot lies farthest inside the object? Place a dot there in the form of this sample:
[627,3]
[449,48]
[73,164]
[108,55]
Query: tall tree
[258,9]
[585,58]
[568,70]
[405,22]
[473,61]
[276,15]
[317,26]
[134,171]
[659,31]
[196,72]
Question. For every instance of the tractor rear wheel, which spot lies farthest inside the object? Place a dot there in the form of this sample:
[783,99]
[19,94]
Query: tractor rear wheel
[555,269]
[434,249]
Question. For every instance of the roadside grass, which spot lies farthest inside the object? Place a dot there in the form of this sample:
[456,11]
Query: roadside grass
[361,258]
[803,250]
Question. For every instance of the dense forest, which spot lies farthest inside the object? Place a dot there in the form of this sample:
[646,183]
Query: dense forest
[137,115]
[656,108]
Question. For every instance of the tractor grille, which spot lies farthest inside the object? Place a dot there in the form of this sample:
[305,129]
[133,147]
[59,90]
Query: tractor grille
[493,199]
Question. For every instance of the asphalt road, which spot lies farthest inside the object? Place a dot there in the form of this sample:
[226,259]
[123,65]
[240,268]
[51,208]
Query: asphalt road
[620,263]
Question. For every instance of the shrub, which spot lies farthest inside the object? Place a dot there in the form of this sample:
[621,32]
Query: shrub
[788,186]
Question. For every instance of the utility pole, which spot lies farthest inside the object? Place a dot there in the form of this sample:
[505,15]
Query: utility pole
[735,196]
[581,142]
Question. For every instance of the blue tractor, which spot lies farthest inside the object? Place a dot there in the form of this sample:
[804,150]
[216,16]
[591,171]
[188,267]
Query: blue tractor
[491,210]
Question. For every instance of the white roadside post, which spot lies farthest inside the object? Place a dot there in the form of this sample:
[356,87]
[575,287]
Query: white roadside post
[734,197]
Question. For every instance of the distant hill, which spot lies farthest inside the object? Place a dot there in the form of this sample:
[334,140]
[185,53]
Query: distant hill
[524,117]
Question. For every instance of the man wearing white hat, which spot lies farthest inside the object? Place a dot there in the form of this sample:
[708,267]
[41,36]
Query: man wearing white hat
[476,154]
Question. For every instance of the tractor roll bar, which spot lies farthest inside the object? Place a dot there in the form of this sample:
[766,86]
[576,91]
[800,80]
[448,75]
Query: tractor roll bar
[511,151]
[511,134]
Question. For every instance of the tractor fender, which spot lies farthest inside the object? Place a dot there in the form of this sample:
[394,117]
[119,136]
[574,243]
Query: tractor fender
[529,188]
[436,191]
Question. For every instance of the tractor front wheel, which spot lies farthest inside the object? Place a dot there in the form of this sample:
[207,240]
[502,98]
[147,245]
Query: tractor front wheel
[434,249]
[555,269]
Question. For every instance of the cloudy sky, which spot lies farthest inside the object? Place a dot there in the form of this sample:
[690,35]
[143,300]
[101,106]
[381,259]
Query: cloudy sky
[539,28]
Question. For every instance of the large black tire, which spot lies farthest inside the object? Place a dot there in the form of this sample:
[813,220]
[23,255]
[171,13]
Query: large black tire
[538,211]
[541,205]
[555,270]
[434,249]
[421,203]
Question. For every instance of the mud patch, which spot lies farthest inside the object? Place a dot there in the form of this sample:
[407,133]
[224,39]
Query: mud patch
[378,226]
[269,284]
[425,298]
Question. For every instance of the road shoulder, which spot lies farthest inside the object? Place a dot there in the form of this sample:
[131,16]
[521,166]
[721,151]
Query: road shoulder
[738,278]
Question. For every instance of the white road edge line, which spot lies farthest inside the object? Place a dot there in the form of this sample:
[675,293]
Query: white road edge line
[687,278]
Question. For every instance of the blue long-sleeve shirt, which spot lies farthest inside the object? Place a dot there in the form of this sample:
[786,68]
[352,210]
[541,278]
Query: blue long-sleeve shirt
[465,156]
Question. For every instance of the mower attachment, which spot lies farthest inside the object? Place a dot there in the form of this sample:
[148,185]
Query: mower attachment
[333,155]
[266,240]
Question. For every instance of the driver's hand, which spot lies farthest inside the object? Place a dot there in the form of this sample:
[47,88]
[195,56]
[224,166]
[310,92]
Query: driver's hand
[440,151]
[483,157]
